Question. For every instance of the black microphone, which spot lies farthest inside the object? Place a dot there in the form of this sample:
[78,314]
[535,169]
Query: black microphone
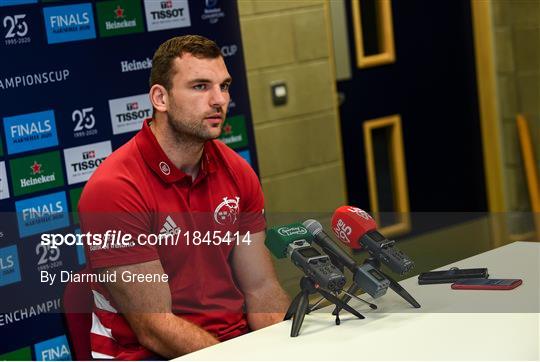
[365,277]
[321,238]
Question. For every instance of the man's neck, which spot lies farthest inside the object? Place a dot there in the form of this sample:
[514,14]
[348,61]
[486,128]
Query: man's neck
[185,153]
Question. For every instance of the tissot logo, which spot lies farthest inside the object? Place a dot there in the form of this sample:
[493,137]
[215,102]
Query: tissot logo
[9,265]
[16,29]
[43,213]
[69,23]
[4,190]
[166,14]
[56,349]
[82,161]
[31,131]
[36,173]
[212,12]
[128,114]
[119,17]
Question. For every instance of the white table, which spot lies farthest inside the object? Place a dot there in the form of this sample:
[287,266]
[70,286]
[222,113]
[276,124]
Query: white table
[451,325]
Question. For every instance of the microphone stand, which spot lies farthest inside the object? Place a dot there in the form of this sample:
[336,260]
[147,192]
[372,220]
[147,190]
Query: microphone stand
[300,304]
[394,285]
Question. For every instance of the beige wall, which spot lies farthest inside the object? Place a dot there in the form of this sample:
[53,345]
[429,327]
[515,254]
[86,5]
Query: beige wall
[298,144]
[517,60]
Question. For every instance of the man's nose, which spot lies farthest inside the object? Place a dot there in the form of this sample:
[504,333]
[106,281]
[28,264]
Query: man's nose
[218,97]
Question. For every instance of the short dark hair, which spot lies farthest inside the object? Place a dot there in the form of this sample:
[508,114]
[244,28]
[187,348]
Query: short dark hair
[162,64]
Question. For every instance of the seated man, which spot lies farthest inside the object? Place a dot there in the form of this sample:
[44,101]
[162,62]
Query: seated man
[174,178]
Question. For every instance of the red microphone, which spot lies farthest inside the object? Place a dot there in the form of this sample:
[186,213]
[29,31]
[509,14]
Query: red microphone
[354,227]
[350,224]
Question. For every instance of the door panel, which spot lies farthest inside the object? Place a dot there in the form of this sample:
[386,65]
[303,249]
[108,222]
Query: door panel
[432,87]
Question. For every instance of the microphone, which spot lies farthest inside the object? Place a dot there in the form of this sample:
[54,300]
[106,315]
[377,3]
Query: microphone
[365,277]
[321,238]
[292,241]
[356,228]
[278,238]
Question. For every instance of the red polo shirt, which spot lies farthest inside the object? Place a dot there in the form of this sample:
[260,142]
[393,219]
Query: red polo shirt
[138,191]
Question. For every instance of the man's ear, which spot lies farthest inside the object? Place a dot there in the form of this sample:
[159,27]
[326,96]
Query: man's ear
[159,98]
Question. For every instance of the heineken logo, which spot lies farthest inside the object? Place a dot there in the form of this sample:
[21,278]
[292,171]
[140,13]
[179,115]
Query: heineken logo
[36,177]
[119,12]
[119,17]
[234,132]
[36,173]
[36,168]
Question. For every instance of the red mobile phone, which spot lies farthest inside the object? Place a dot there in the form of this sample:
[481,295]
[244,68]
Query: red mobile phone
[487,284]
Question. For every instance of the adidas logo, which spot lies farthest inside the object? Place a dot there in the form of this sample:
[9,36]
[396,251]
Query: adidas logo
[170,227]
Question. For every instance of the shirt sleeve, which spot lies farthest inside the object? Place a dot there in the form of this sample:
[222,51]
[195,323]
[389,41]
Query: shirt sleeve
[252,217]
[113,215]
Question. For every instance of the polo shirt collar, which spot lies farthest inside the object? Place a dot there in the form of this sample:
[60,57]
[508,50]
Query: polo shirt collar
[157,160]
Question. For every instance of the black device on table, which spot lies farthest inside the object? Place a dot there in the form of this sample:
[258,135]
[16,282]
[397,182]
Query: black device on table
[452,275]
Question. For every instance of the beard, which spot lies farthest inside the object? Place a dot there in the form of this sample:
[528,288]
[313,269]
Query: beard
[193,131]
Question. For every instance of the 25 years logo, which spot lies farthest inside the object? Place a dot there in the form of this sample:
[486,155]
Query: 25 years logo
[85,122]
[16,29]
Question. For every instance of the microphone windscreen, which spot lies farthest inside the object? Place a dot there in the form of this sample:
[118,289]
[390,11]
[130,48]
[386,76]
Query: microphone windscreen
[350,224]
[278,238]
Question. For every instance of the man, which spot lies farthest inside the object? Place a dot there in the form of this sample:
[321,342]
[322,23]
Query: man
[175,178]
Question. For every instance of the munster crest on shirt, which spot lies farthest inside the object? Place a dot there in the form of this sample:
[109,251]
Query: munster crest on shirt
[226,213]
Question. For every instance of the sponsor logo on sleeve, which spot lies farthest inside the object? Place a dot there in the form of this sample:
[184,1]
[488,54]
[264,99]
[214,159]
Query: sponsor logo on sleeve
[9,265]
[23,354]
[16,2]
[4,188]
[166,14]
[119,17]
[212,12]
[69,23]
[31,131]
[234,132]
[55,349]
[41,214]
[82,161]
[245,155]
[128,113]
[36,173]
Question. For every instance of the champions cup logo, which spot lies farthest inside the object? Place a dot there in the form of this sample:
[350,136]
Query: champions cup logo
[360,213]
[226,213]
[288,231]
[343,231]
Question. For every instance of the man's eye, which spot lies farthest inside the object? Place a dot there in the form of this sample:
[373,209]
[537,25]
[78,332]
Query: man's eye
[199,87]
[225,87]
